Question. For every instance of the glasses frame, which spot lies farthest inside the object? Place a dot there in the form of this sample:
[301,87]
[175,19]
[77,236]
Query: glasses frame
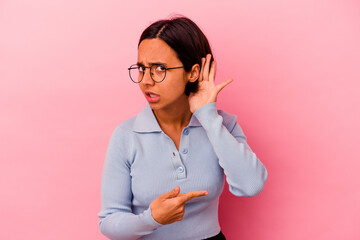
[135,66]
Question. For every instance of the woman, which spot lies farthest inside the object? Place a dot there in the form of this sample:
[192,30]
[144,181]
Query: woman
[164,169]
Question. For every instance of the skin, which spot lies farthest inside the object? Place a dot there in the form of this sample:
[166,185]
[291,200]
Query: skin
[174,109]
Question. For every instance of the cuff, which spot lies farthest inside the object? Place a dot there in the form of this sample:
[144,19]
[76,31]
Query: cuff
[207,113]
[148,219]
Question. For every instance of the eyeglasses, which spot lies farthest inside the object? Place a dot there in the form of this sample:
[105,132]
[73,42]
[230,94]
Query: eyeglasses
[157,72]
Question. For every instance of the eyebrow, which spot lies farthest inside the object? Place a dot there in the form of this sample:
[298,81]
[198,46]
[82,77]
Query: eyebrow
[151,63]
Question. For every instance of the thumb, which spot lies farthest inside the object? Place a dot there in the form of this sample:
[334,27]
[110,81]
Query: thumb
[221,85]
[173,193]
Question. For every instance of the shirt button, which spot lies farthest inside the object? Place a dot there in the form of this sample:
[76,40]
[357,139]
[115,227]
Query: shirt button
[186,131]
[185,150]
[180,169]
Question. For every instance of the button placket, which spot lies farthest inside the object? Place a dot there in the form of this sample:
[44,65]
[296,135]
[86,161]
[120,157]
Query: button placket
[184,143]
[183,151]
[178,157]
[178,165]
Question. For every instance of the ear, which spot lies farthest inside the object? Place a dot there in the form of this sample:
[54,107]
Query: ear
[194,73]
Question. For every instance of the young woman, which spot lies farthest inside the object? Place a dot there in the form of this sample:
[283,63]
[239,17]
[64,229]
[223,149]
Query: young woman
[165,168]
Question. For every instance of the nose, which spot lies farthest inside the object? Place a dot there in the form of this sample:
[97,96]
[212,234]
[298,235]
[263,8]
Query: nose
[147,78]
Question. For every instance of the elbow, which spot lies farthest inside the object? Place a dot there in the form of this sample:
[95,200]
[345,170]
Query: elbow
[259,184]
[250,192]
[255,190]
[105,231]
[252,189]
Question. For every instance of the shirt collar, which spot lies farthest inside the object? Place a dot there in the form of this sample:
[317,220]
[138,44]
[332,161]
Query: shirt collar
[146,121]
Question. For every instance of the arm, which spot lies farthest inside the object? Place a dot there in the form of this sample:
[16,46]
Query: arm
[245,174]
[117,220]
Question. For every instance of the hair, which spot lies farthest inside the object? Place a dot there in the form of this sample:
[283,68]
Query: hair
[185,38]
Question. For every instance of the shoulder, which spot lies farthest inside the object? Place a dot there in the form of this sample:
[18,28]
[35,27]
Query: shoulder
[125,126]
[122,140]
[122,133]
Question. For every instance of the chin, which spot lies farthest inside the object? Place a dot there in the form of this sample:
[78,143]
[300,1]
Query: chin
[155,106]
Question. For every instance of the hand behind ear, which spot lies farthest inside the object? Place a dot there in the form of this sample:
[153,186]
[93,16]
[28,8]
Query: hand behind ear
[207,90]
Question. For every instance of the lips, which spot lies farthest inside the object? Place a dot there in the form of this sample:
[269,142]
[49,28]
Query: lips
[151,97]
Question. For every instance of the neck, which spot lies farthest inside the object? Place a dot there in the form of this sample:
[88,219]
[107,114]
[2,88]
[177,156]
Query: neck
[174,116]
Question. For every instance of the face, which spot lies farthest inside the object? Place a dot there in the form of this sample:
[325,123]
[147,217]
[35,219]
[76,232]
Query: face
[170,92]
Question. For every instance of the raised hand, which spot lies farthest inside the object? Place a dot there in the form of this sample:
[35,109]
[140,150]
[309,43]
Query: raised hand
[207,91]
[170,207]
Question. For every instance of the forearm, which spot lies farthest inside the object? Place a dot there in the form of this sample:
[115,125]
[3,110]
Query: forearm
[244,172]
[128,226]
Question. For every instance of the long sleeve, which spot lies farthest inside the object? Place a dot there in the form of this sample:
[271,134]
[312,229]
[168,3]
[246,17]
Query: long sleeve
[245,174]
[117,220]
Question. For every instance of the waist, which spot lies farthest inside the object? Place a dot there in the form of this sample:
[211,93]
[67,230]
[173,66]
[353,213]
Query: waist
[219,236]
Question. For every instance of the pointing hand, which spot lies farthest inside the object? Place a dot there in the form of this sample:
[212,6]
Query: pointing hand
[170,207]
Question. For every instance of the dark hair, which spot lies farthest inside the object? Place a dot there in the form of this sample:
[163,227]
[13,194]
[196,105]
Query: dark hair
[185,38]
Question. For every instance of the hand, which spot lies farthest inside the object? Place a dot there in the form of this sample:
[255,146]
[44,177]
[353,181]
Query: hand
[207,91]
[170,207]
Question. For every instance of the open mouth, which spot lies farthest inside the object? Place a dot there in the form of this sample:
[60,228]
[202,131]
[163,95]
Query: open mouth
[151,97]
[151,94]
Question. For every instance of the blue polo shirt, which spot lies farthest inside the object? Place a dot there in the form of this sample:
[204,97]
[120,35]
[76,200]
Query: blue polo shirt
[142,163]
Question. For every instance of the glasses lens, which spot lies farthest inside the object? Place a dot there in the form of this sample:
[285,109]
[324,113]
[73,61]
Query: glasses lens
[158,72]
[135,73]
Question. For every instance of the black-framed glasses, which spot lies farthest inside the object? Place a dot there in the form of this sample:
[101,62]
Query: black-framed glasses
[157,72]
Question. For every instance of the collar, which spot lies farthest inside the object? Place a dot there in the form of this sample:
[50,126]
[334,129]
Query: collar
[146,121]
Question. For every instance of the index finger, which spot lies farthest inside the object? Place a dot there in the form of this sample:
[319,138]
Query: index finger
[194,194]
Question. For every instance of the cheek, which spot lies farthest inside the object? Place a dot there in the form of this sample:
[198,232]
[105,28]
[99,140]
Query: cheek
[181,81]
[176,88]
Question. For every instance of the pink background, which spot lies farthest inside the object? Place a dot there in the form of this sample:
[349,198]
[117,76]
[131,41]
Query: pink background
[64,88]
